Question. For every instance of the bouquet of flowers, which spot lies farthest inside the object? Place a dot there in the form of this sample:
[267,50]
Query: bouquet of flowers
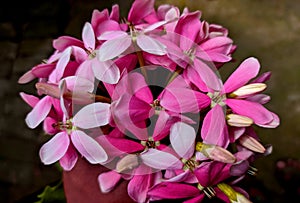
[142,96]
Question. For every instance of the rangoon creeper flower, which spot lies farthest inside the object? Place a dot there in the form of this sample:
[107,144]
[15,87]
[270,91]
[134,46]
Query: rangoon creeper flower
[57,148]
[98,99]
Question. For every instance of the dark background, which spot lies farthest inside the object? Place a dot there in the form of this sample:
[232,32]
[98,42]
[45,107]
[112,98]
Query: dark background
[266,29]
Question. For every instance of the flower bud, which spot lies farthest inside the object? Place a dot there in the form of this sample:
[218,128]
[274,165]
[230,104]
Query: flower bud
[251,143]
[48,89]
[215,152]
[238,120]
[128,162]
[248,90]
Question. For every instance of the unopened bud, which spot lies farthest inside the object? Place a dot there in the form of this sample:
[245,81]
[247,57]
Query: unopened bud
[128,162]
[238,120]
[215,152]
[48,89]
[248,90]
[251,143]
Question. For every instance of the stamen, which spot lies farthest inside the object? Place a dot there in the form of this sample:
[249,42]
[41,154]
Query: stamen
[252,171]
[208,191]
[150,143]
[190,164]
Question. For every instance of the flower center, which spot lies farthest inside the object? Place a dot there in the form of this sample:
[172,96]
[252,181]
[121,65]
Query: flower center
[66,126]
[217,98]
[157,107]
[190,164]
[150,143]
[91,53]
[190,53]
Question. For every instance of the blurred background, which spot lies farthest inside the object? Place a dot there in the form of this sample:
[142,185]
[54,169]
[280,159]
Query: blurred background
[266,29]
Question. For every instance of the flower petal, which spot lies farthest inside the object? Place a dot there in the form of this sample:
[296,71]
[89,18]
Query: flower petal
[208,74]
[106,71]
[150,45]
[108,181]
[160,160]
[64,42]
[92,115]
[257,112]
[88,36]
[183,100]
[182,137]
[114,47]
[39,112]
[247,70]
[26,77]
[140,184]
[69,160]
[29,99]
[168,190]
[54,149]
[214,130]
[88,147]
[135,15]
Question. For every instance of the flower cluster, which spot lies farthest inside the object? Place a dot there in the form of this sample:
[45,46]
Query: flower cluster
[142,96]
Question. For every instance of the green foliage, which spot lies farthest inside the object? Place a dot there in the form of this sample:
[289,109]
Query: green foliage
[52,194]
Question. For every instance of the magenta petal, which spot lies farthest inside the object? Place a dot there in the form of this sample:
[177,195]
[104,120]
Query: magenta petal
[29,99]
[272,124]
[27,77]
[182,137]
[88,147]
[114,47]
[108,181]
[181,177]
[257,112]
[241,76]
[160,160]
[218,48]
[88,36]
[43,70]
[150,45]
[259,98]
[183,100]
[125,119]
[107,26]
[214,129]
[55,148]
[92,115]
[64,42]
[135,14]
[106,71]
[133,84]
[208,75]
[68,161]
[188,26]
[140,184]
[62,63]
[39,112]
[120,145]
[162,125]
[195,78]
[48,126]
[115,13]
[168,190]
[263,77]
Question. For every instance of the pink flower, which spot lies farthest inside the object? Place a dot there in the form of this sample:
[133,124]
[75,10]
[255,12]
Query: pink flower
[60,148]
